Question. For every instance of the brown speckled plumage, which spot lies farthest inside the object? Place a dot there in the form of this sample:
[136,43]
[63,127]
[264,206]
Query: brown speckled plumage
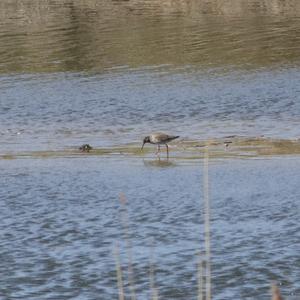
[159,138]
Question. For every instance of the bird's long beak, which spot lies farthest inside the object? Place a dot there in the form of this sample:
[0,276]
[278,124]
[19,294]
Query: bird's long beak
[142,146]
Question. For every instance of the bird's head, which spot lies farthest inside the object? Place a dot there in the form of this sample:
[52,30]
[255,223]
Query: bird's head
[145,140]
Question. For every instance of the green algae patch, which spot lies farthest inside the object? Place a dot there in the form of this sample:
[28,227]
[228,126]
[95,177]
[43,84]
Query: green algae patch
[121,150]
[239,147]
[233,147]
[7,156]
[242,147]
[267,147]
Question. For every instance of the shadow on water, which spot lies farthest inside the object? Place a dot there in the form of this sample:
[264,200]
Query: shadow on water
[160,163]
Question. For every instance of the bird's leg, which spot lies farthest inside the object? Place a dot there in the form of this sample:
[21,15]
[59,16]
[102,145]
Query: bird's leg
[167,150]
[158,150]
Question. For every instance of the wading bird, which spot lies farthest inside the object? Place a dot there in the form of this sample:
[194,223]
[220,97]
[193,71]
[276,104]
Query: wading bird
[159,139]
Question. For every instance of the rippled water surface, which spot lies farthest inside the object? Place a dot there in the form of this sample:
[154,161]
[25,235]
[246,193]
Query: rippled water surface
[107,73]
[61,218]
[62,110]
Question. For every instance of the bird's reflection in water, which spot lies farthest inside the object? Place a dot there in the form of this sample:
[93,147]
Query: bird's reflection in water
[161,163]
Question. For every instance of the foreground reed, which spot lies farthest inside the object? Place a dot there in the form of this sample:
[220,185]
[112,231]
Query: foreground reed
[204,258]
[125,224]
[207,225]
[119,273]
[276,293]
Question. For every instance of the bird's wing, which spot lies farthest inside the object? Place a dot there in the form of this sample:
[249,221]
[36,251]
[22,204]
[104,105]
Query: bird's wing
[158,137]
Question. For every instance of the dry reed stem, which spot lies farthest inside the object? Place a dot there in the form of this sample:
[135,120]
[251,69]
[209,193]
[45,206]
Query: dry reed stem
[119,273]
[125,221]
[200,277]
[276,293]
[154,291]
[207,225]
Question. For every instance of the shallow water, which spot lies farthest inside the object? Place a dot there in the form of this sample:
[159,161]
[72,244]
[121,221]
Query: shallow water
[48,112]
[74,72]
[107,73]
[60,225]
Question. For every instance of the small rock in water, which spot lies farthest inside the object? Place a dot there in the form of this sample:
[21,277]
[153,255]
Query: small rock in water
[85,148]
